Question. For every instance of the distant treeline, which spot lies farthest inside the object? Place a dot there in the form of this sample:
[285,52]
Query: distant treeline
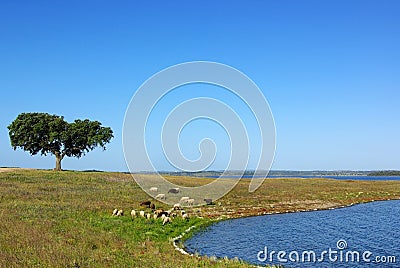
[385,173]
[283,173]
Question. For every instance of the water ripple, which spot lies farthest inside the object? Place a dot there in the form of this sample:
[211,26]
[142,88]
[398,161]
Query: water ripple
[373,227]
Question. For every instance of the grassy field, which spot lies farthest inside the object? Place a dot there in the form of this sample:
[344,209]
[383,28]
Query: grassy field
[63,219]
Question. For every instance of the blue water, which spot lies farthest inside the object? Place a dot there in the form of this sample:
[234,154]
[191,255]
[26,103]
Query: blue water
[368,178]
[373,227]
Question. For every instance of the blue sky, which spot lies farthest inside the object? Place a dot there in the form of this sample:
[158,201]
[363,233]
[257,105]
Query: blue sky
[330,71]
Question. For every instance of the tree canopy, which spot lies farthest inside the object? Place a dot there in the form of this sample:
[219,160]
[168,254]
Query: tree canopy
[45,133]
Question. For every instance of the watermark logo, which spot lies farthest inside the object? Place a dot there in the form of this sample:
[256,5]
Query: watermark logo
[340,254]
[155,89]
[341,244]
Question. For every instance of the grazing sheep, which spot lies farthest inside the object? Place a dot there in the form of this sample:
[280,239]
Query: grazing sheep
[208,201]
[141,213]
[153,189]
[133,213]
[173,214]
[158,212]
[115,211]
[148,216]
[184,199]
[145,204]
[164,213]
[163,216]
[177,206]
[120,213]
[185,216]
[155,216]
[183,212]
[173,190]
[161,196]
[190,202]
[166,220]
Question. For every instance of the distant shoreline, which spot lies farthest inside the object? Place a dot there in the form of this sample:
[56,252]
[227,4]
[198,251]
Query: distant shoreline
[286,173]
[234,173]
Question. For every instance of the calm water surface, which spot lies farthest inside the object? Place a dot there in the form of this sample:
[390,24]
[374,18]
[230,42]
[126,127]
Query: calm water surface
[373,227]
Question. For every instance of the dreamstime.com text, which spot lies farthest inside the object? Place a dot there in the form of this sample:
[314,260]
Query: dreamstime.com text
[340,254]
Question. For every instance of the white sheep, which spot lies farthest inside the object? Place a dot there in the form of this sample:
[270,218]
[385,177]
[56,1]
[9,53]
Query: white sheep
[166,220]
[190,202]
[141,213]
[184,199]
[155,216]
[133,213]
[115,211]
[148,216]
[153,189]
[163,216]
[120,213]
[160,196]
[177,206]
[185,216]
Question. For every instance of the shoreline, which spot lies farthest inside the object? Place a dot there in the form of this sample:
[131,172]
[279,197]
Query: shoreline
[181,238]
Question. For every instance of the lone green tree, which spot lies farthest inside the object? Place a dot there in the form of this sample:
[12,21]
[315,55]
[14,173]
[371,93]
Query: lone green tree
[45,133]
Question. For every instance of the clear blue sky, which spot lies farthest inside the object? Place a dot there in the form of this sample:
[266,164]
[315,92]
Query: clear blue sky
[329,69]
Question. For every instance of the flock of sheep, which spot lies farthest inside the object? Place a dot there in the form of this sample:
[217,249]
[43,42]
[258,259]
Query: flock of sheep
[165,215]
[184,200]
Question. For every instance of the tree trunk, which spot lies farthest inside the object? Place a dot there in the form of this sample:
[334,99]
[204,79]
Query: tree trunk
[58,161]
